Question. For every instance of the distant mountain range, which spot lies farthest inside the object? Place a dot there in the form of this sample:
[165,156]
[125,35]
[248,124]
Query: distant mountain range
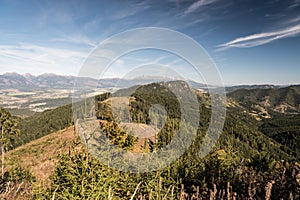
[29,82]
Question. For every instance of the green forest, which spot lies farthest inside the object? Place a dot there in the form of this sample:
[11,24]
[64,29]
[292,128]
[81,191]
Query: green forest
[251,160]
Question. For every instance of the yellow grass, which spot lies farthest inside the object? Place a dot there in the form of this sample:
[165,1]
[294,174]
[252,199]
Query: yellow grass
[40,156]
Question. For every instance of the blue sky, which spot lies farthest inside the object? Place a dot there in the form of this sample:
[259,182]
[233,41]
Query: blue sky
[251,41]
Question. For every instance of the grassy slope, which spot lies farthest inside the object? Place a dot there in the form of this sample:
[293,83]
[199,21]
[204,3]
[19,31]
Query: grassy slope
[40,156]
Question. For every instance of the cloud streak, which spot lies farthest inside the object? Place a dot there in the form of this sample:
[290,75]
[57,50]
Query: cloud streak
[77,39]
[33,58]
[261,38]
[198,4]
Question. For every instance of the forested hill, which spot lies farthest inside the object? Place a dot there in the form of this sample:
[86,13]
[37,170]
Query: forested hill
[284,129]
[241,165]
[240,128]
[278,112]
[283,100]
[241,131]
[41,124]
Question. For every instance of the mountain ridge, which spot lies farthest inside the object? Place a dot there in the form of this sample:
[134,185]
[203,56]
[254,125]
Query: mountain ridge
[278,100]
[30,82]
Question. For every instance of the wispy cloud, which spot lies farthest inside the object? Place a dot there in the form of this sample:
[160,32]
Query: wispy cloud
[261,38]
[39,59]
[123,14]
[130,11]
[198,4]
[294,4]
[294,20]
[76,39]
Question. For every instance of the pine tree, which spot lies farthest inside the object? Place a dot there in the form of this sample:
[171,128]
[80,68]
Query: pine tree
[8,127]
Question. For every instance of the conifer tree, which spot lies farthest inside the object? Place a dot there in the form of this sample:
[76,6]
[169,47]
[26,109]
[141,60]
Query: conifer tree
[8,128]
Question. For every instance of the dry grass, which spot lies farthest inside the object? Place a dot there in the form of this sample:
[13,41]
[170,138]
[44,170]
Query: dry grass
[40,156]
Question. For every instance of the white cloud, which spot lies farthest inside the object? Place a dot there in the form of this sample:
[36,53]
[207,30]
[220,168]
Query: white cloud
[119,62]
[39,59]
[197,5]
[261,38]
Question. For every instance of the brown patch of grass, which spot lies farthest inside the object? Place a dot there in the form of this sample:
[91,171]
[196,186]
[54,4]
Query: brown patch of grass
[40,156]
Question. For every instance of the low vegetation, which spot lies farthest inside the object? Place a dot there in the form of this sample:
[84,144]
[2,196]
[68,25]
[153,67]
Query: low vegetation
[252,159]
